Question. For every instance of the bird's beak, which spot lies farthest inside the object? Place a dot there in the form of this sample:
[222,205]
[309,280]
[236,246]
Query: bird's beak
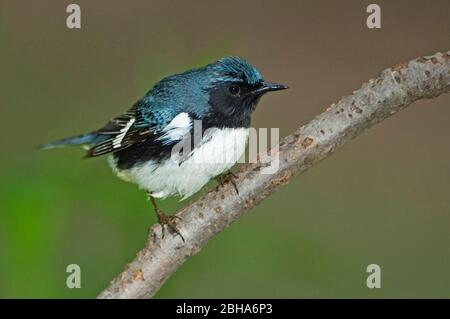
[267,87]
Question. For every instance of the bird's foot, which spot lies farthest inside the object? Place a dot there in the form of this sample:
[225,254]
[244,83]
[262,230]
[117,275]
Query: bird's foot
[226,178]
[169,221]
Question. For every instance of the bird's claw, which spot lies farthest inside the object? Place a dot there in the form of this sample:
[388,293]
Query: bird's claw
[228,177]
[169,221]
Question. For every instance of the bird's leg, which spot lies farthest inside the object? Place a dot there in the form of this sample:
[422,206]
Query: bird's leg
[228,177]
[165,220]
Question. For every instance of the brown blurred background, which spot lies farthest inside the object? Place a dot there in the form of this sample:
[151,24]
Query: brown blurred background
[382,199]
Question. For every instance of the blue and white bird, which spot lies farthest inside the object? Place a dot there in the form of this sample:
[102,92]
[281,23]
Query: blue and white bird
[205,110]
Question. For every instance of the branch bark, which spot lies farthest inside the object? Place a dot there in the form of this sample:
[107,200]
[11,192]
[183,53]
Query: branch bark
[391,91]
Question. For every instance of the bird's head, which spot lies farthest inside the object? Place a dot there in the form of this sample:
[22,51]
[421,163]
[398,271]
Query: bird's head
[223,93]
[234,89]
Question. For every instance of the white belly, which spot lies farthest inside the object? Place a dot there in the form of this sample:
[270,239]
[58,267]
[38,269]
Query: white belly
[217,153]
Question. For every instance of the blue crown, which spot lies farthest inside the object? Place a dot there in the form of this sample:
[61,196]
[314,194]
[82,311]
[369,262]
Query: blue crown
[234,68]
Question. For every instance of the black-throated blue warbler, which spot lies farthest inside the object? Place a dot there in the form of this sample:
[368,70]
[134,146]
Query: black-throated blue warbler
[220,96]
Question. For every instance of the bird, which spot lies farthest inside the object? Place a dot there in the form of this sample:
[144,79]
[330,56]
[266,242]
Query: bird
[174,139]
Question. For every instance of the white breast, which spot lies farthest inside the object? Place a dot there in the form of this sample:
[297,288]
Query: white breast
[218,152]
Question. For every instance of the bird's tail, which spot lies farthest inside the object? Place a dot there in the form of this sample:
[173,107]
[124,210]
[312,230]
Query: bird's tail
[85,139]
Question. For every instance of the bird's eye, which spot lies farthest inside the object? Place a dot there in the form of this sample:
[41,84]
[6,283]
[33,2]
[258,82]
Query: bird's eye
[234,90]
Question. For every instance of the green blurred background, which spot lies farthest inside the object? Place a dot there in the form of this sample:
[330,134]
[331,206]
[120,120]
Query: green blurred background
[382,199]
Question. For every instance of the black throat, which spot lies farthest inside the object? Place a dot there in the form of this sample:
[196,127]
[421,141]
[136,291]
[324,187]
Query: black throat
[228,111]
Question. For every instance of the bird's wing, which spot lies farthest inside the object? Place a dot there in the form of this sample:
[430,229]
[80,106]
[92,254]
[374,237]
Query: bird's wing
[135,126]
[121,132]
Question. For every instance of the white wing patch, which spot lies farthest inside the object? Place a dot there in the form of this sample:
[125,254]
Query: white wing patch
[177,128]
[117,142]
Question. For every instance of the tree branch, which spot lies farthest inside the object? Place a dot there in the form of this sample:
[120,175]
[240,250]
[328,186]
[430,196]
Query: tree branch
[394,89]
